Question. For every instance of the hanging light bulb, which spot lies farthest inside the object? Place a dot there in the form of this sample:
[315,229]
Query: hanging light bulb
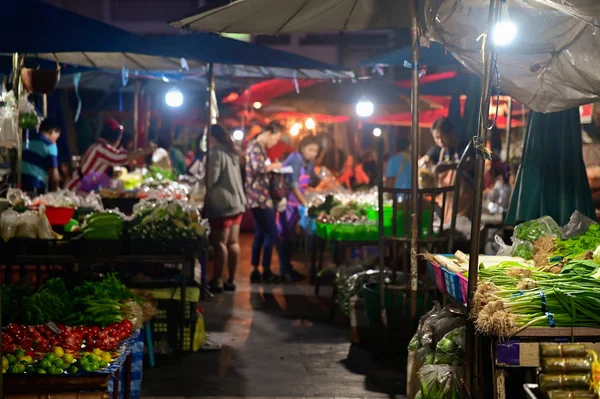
[257,105]
[505,31]
[238,135]
[174,98]
[365,108]
[377,132]
[310,124]
[295,129]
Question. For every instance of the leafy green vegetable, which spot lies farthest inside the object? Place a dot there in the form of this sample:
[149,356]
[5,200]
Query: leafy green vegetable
[524,250]
[587,241]
[325,207]
[580,267]
[534,229]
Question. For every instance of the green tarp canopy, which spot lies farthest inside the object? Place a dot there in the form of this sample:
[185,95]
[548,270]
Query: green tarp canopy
[552,179]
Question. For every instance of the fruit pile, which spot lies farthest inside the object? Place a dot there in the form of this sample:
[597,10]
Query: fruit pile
[42,338]
[55,362]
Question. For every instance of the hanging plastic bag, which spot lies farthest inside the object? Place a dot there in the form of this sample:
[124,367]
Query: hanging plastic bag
[534,229]
[441,381]
[9,222]
[28,117]
[578,224]
[451,349]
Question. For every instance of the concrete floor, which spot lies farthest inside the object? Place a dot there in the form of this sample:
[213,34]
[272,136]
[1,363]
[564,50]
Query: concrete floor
[278,341]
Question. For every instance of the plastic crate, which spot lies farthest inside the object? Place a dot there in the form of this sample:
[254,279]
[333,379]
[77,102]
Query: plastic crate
[431,271]
[464,287]
[439,278]
[452,284]
[165,324]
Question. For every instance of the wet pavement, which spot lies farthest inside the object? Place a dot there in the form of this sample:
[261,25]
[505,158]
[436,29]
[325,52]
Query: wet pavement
[277,341]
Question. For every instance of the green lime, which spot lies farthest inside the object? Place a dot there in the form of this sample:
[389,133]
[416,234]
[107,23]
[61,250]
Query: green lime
[59,371]
[72,370]
[52,370]
[19,353]
[20,367]
[30,369]
[84,362]
[13,370]
[59,364]
[95,366]
[24,362]
[44,363]
[102,364]
[50,356]
[88,368]
[11,359]
[41,371]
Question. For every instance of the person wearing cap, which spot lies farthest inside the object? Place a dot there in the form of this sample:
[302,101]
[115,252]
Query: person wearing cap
[103,155]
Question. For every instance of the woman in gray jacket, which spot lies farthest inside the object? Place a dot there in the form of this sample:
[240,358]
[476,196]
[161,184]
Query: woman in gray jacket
[225,206]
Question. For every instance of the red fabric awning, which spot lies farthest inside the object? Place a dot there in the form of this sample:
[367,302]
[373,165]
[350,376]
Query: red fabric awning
[263,92]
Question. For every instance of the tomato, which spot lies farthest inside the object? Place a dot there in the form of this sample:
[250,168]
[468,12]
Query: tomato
[6,338]
[128,325]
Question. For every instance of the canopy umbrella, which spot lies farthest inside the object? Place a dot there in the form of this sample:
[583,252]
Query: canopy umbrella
[550,66]
[434,55]
[301,16]
[552,179]
[263,92]
[341,98]
[272,17]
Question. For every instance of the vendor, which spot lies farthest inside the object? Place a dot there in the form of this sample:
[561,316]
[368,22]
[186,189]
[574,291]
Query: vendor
[99,159]
[40,159]
[303,175]
[398,169]
[445,148]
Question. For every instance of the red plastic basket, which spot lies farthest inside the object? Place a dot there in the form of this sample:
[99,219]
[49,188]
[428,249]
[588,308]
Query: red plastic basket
[464,287]
[59,216]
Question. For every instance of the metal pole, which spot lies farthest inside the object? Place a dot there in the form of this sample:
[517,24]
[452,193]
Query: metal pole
[136,113]
[414,109]
[16,69]
[210,88]
[381,233]
[45,105]
[471,370]
[508,128]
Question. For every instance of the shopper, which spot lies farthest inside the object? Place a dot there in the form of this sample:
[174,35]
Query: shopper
[40,159]
[100,158]
[334,158]
[398,169]
[258,167]
[303,175]
[445,148]
[225,206]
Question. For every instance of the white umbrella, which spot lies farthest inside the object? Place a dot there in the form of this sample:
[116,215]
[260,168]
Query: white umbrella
[291,16]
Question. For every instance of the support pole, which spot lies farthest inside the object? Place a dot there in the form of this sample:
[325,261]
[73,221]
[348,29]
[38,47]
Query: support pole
[136,113]
[381,232]
[414,109]
[16,83]
[210,88]
[471,364]
[508,128]
[45,105]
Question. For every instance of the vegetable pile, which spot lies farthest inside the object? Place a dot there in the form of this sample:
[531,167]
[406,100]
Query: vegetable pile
[166,221]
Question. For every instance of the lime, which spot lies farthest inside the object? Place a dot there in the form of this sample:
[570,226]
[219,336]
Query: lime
[58,351]
[41,371]
[50,356]
[11,359]
[59,364]
[83,362]
[102,364]
[59,371]
[13,370]
[52,370]
[44,363]
[72,370]
[30,369]
[93,359]
[20,367]
[95,366]
[88,368]
[68,358]
[19,353]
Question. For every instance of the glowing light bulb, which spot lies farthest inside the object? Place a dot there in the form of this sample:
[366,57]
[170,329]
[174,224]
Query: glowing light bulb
[364,109]
[257,105]
[310,123]
[505,31]
[238,135]
[377,132]
[174,98]
[295,129]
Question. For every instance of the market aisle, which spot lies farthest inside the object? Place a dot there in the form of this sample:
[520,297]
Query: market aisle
[278,341]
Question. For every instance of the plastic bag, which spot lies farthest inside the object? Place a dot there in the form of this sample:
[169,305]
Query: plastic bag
[441,381]
[44,230]
[578,224]
[534,229]
[27,226]
[451,349]
[521,248]
[9,222]
[349,286]
[503,249]
[28,117]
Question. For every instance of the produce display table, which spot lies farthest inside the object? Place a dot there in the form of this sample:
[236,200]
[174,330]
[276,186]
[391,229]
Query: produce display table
[27,384]
[78,258]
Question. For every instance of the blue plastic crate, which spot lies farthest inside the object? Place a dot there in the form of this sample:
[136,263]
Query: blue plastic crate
[452,283]
[431,271]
